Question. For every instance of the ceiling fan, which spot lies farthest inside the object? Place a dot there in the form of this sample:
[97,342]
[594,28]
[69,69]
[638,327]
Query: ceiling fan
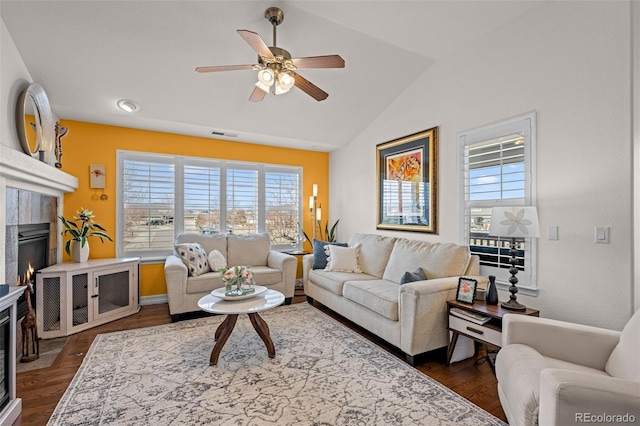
[277,69]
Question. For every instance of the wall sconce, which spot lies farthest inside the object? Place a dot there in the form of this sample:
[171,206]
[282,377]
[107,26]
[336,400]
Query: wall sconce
[314,210]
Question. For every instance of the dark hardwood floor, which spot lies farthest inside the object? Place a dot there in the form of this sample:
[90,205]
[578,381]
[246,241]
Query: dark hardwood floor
[41,389]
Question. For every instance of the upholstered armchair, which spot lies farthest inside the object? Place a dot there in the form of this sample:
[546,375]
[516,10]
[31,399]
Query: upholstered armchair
[557,373]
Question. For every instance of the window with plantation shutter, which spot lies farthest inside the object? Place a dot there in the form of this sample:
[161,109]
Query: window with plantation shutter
[242,200]
[282,199]
[164,196]
[148,205]
[201,199]
[498,169]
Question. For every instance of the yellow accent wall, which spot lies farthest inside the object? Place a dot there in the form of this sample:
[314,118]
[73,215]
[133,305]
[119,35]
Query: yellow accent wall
[89,143]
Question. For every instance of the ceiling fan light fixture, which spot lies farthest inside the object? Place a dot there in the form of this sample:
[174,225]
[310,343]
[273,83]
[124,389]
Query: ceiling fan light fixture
[266,77]
[286,80]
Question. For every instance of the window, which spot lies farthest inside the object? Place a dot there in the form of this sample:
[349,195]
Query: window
[498,169]
[164,196]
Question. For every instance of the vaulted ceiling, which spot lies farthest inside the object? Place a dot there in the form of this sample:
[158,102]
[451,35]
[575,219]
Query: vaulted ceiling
[89,54]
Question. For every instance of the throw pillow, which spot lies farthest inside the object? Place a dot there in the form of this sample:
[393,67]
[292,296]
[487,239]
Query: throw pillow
[319,256]
[194,257]
[342,259]
[216,260]
[409,277]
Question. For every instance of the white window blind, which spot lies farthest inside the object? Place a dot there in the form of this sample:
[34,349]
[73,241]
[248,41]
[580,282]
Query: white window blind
[201,199]
[242,201]
[282,199]
[164,196]
[497,164]
[147,206]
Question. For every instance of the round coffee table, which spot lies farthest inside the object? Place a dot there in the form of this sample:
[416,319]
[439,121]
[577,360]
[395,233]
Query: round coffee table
[232,308]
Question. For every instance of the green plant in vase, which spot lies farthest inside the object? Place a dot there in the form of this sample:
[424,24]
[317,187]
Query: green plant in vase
[81,231]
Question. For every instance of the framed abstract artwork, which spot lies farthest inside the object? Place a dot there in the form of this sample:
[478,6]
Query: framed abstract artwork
[407,172]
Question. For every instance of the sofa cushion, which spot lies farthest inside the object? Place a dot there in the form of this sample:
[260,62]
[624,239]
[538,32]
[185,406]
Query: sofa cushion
[623,361]
[208,242]
[194,257]
[334,281]
[342,259]
[380,296]
[409,277]
[319,255]
[216,260]
[204,283]
[250,249]
[374,252]
[438,260]
[263,275]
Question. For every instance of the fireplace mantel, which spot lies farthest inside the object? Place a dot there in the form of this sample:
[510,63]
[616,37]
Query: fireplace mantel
[22,171]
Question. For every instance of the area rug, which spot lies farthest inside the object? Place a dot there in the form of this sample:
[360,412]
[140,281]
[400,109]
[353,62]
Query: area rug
[323,374]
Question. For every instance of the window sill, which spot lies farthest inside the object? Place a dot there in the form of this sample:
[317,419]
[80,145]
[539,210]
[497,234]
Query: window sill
[522,289]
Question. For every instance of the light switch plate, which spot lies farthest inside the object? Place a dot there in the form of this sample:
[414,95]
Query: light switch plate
[602,235]
[552,233]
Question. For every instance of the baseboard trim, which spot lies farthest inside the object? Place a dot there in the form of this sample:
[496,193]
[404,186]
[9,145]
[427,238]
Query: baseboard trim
[157,299]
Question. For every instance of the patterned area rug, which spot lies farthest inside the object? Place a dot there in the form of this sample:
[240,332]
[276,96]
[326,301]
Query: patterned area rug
[323,374]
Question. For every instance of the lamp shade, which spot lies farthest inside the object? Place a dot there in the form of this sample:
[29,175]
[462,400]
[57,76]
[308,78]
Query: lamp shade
[514,222]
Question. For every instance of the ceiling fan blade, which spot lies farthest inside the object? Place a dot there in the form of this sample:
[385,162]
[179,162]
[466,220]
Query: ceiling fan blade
[309,88]
[257,95]
[329,61]
[256,43]
[225,68]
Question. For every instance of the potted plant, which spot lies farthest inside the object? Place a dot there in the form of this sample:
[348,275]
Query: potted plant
[81,232]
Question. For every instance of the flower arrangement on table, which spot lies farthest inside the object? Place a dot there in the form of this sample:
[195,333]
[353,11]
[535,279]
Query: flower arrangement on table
[238,280]
[87,228]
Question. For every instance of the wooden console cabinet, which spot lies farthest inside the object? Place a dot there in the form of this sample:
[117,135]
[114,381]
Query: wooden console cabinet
[72,297]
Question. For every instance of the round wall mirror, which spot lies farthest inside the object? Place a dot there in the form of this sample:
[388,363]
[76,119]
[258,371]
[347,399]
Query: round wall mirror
[34,122]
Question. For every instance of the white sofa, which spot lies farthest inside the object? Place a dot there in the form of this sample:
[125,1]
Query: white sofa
[552,372]
[271,268]
[411,316]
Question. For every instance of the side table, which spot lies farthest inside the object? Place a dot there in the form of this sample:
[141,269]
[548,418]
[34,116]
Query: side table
[299,254]
[489,332]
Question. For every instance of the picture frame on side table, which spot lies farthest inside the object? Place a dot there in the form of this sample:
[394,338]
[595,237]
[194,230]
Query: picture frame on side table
[407,171]
[466,290]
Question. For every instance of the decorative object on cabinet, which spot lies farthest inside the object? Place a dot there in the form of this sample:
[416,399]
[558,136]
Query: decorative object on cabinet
[492,291]
[514,222]
[97,176]
[61,132]
[81,233]
[73,297]
[466,290]
[407,171]
[34,122]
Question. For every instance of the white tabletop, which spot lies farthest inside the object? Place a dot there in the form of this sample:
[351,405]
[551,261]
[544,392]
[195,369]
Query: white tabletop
[262,302]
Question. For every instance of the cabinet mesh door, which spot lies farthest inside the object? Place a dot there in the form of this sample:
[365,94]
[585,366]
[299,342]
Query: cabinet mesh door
[79,299]
[50,304]
[114,291]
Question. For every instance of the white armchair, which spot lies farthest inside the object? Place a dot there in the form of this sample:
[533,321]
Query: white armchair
[557,373]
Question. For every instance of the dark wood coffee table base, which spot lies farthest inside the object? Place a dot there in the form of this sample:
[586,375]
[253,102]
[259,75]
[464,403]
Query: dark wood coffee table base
[224,331]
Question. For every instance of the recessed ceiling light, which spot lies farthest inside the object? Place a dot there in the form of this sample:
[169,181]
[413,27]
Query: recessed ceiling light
[127,106]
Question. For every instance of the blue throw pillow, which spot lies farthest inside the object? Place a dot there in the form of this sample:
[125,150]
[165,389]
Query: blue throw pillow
[319,256]
[409,277]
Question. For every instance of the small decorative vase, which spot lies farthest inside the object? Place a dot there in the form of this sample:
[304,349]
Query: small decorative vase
[492,291]
[80,254]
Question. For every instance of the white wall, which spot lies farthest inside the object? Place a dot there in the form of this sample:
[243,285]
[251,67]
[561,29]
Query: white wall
[14,78]
[571,63]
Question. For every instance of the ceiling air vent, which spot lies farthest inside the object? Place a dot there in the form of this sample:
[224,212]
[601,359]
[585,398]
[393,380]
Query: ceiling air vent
[219,133]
